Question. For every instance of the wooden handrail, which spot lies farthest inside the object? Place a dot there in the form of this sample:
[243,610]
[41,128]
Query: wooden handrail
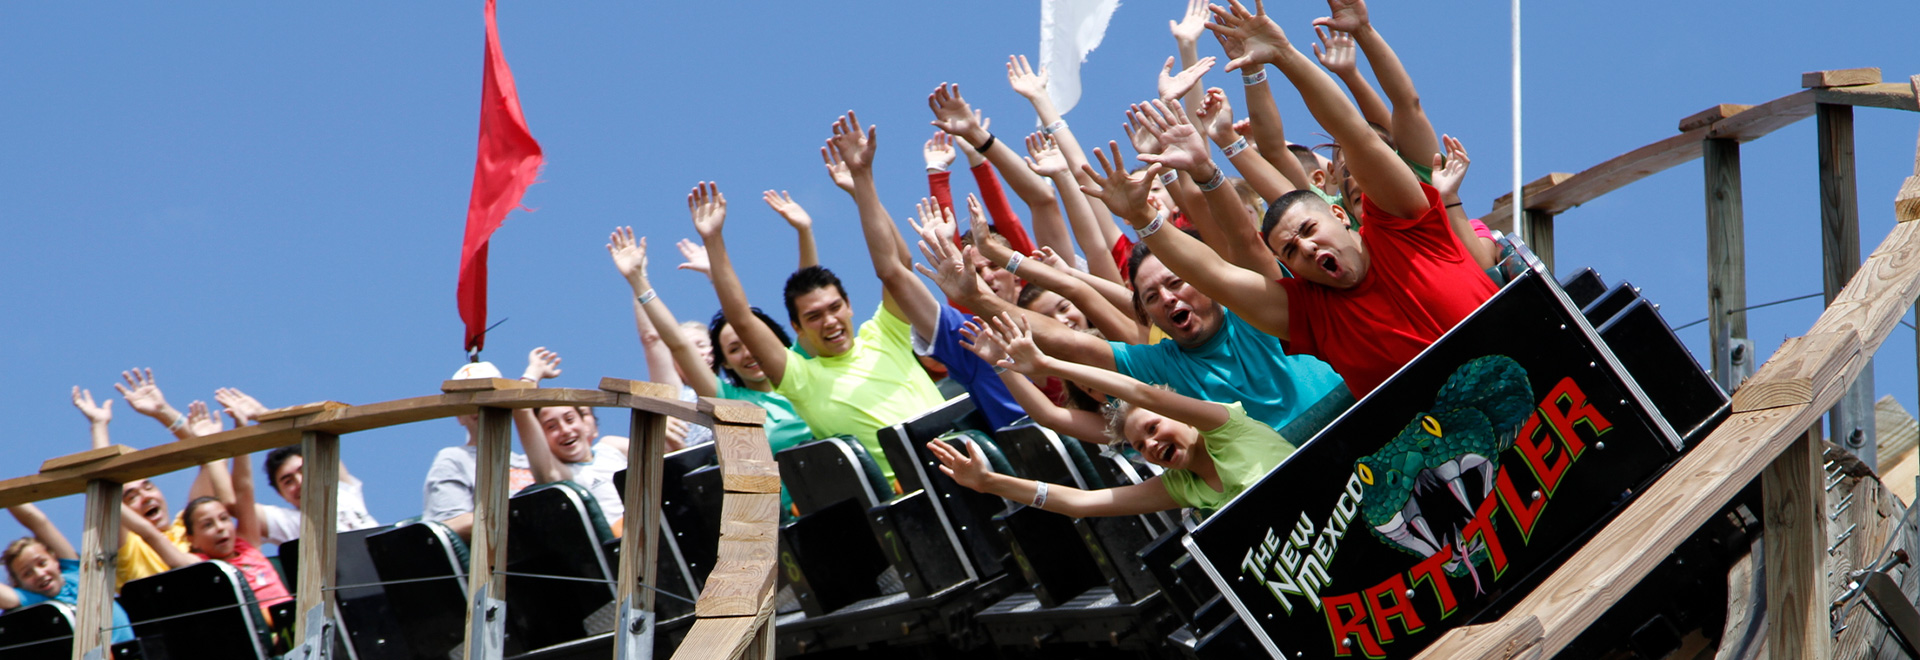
[1772,412]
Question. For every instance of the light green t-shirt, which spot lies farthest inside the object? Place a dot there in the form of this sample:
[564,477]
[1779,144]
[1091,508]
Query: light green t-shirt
[1243,451]
[876,384]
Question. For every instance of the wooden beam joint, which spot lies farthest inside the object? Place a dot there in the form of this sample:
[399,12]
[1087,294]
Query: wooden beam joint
[1840,78]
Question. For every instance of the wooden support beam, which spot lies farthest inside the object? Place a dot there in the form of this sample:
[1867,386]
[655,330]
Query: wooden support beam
[640,388]
[1796,556]
[296,411]
[1758,121]
[1798,370]
[99,546]
[1512,637]
[1501,217]
[640,531]
[1840,77]
[1852,419]
[1890,96]
[1726,256]
[1539,236]
[486,586]
[484,384]
[1906,204]
[320,476]
[85,457]
[1707,117]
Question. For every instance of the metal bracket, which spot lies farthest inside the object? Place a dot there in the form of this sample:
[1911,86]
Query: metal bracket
[319,642]
[489,626]
[633,640]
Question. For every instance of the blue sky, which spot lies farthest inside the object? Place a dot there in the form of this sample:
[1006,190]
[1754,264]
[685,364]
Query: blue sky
[271,196]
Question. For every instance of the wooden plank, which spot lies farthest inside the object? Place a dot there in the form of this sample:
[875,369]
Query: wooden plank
[296,411]
[1797,371]
[1881,292]
[744,454]
[1840,77]
[731,411]
[1511,637]
[639,388]
[1501,217]
[1852,418]
[639,538]
[85,457]
[1906,203]
[488,549]
[99,545]
[752,476]
[1765,118]
[1726,256]
[722,638]
[320,474]
[1890,96]
[1539,236]
[743,574]
[1708,116]
[1796,556]
[484,384]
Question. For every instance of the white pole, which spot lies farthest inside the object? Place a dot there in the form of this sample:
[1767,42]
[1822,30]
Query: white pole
[1519,193]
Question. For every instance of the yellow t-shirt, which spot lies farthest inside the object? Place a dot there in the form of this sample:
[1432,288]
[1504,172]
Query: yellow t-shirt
[877,383]
[137,559]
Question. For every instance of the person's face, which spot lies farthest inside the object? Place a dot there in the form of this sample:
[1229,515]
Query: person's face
[1061,309]
[826,321]
[37,570]
[1003,283]
[1185,314]
[738,358]
[1159,193]
[212,531]
[145,498]
[1164,442]
[1316,245]
[569,433]
[289,478]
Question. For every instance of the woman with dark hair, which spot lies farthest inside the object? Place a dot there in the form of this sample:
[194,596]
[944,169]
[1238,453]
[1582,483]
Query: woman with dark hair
[731,372]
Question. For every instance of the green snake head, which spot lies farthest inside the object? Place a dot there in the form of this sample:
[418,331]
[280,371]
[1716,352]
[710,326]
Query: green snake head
[1424,485]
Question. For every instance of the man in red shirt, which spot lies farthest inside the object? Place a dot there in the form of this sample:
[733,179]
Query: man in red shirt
[1365,301]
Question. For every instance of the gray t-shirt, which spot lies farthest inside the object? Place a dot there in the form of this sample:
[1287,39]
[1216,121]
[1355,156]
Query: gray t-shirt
[449,488]
[696,435]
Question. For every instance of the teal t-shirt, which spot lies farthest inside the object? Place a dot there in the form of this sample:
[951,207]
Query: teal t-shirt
[1239,363]
[784,427]
[1243,451]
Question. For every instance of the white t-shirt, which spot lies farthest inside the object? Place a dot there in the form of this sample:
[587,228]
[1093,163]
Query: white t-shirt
[282,524]
[449,488]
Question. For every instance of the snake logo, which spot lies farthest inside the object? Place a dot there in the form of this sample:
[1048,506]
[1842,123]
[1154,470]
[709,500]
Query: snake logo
[1423,487]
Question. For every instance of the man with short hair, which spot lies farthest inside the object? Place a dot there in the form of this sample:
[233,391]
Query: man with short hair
[284,469]
[450,480]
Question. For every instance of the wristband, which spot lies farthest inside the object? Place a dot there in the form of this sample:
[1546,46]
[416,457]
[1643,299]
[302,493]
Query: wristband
[647,297]
[179,422]
[999,369]
[984,146]
[1168,177]
[931,168]
[1153,227]
[1456,204]
[1057,126]
[1254,78]
[1234,149]
[1013,263]
[1040,495]
[1219,179]
[530,379]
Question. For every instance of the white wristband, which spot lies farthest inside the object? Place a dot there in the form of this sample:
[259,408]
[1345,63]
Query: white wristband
[1219,178]
[999,369]
[1153,227]
[1013,263]
[1168,177]
[1055,127]
[647,297]
[931,168]
[1234,149]
[1254,78]
[1040,495]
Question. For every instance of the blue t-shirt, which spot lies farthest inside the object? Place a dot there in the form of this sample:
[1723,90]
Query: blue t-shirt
[1240,363]
[990,395]
[70,594]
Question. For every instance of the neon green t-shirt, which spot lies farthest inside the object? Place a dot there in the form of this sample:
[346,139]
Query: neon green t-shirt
[1243,451]
[878,383]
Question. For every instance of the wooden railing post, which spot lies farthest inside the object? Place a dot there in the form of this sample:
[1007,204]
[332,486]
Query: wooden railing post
[1539,235]
[1851,420]
[320,485]
[486,586]
[99,549]
[1796,556]
[640,537]
[1726,257]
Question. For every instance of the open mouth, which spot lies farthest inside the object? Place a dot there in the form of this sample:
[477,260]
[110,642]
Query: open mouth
[1166,455]
[835,336]
[1328,263]
[154,513]
[1180,316]
[1443,503]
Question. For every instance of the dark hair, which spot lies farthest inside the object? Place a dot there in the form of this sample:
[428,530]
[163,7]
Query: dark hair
[1308,160]
[720,321]
[805,281]
[186,515]
[1029,292]
[277,458]
[1140,253]
[1279,207]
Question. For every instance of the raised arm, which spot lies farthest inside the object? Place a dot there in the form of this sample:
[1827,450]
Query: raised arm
[653,343]
[541,365]
[246,515]
[143,396]
[1115,293]
[138,525]
[953,115]
[1336,52]
[1448,172]
[42,528]
[905,295]
[1388,182]
[709,210]
[1079,424]
[213,479]
[1411,130]
[630,258]
[1033,87]
[1024,356]
[1226,225]
[1261,301]
[802,224]
[1186,39]
[1115,324]
[1045,159]
[1216,117]
[952,269]
[97,416]
[1264,126]
[971,470]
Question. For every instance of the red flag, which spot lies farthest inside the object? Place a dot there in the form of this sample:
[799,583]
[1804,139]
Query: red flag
[507,162]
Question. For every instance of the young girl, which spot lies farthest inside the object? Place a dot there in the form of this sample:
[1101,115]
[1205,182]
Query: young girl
[1204,468]
[227,532]
[44,567]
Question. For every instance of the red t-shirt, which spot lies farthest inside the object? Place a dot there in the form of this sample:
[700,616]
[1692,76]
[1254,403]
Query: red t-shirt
[1421,283]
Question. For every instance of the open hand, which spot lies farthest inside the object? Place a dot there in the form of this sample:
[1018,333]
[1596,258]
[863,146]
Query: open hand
[1261,40]
[708,208]
[1186,31]
[1216,114]
[1176,85]
[837,170]
[938,152]
[1181,146]
[994,251]
[1338,56]
[201,421]
[1047,256]
[789,210]
[1023,80]
[629,256]
[1124,194]
[99,414]
[694,257]
[143,394]
[969,469]
[1022,354]
[1044,156]
[1349,16]
[1450,170]
[541,365]
[951,267]
[933,218]
[241,407]
[852,146]
[952,114]
[980,339]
